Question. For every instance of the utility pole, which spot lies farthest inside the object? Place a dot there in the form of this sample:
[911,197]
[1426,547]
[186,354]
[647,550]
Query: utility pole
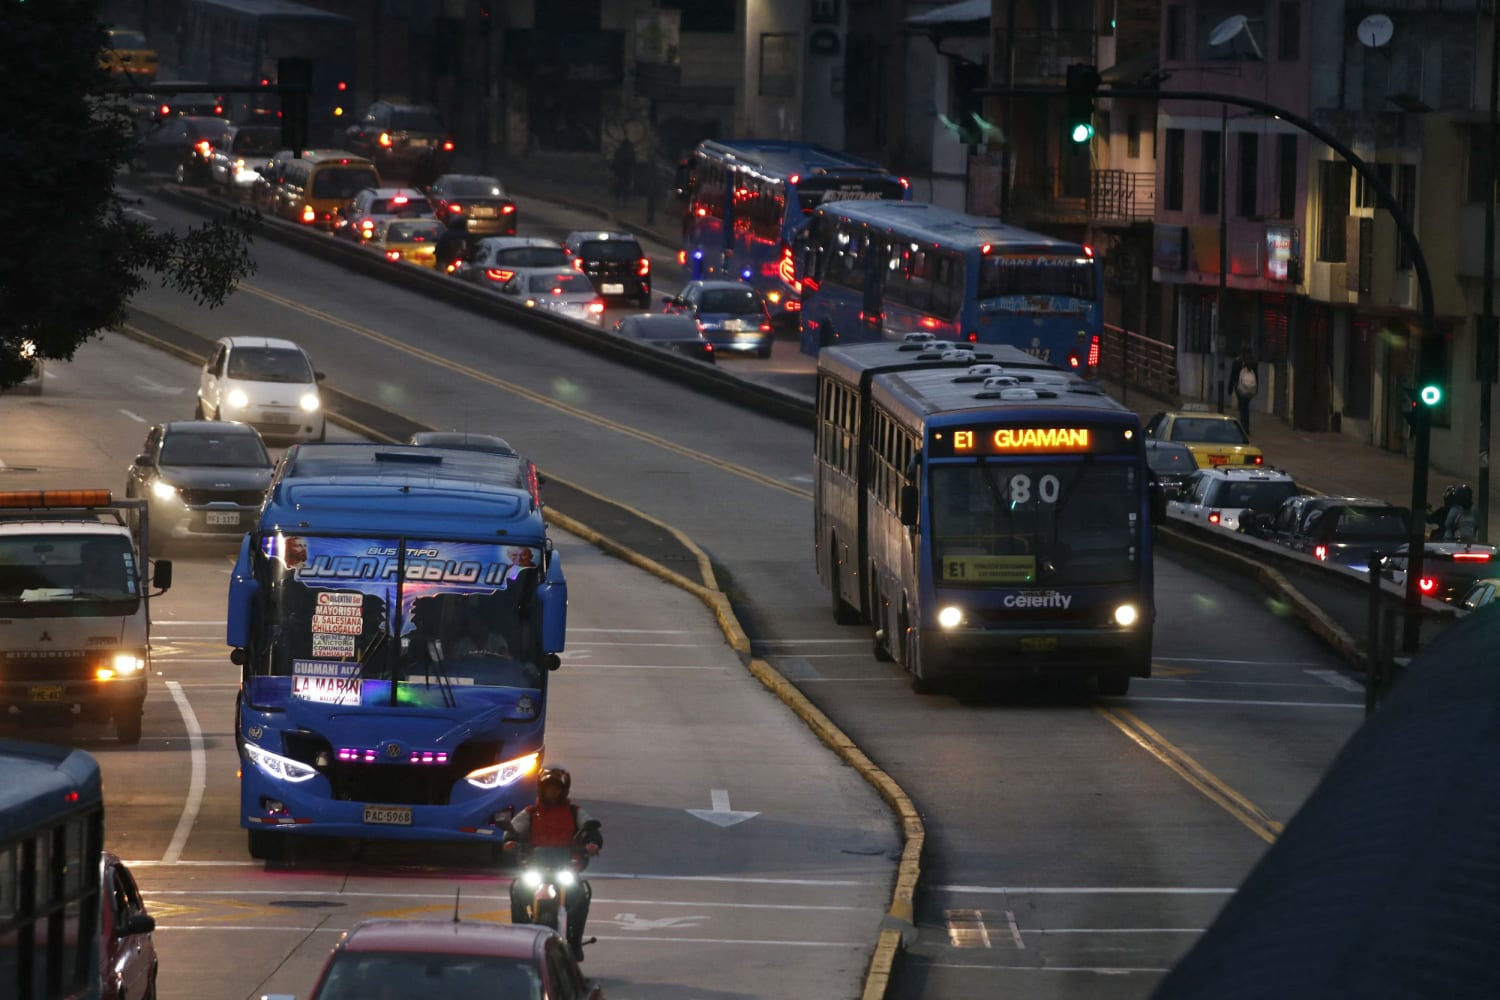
[1487,347]
[1215,383]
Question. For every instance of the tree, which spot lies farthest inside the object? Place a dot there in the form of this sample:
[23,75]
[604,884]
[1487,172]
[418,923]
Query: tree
[70,256]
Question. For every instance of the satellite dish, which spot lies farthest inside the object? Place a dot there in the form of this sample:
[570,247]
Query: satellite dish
[1375,30]
[1231,28]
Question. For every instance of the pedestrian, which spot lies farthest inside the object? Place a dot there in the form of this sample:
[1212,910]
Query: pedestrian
[1245,379]
[623,168]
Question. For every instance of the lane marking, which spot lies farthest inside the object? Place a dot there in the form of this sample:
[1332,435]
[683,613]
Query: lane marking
[1098,970]
[531,395]
[191,621]
[733,942]
[1250,701]
[132,416]
[966,929]
[641,666]
[444,900]
[1337,679]
[636,631]
[1064,890]
[1184,766]
[1015,932]
[1250,663]
[195,782]
[1202,681]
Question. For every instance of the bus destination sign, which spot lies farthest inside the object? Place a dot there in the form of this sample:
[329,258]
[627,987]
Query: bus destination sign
[1018,439]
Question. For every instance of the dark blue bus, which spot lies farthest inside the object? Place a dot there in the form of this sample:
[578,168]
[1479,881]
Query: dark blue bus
[395,614]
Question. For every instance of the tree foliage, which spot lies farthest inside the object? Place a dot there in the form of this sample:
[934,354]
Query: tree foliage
[71,256]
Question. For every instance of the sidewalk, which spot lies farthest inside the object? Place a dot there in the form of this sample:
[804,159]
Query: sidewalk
[1327,462]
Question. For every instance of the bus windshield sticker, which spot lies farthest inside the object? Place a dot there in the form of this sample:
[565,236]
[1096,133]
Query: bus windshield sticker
[326,682]
[990,569]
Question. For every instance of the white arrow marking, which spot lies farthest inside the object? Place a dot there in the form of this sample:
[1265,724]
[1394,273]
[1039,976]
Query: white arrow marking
[165,390]
[631,922]
[721,814]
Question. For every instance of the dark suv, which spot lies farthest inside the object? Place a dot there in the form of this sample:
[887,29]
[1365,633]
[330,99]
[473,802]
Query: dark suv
[1340,530]
[403,140]
[614,262]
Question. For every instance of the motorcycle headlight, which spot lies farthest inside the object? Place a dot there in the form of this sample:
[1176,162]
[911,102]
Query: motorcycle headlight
[566,878]
[309,401]
[502,774]
[531,878]
[163,491]
[277,766]
[237,398]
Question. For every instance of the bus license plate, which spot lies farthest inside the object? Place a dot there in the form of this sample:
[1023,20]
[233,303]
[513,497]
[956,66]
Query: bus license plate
[609,289]
[46,692]
[223,517]
[1039,644]
[388,815]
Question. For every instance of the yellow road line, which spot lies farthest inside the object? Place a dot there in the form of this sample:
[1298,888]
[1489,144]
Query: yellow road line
[528,394]
[1195,774]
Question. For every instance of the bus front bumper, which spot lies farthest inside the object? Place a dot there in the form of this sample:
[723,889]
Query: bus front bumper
[980,654]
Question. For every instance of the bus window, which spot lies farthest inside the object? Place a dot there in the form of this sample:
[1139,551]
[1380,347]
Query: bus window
[846,259]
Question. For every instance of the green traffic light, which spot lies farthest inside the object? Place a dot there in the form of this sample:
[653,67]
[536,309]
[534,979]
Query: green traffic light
[1082,132]
[1431,395]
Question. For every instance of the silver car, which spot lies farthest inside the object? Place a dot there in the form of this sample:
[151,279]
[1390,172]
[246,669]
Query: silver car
[565,293]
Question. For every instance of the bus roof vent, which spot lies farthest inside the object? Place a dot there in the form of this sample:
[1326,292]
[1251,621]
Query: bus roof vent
[997,382]
[951,354]
[978,373]
[916,341]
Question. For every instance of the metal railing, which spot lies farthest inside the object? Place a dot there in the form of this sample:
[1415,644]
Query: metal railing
[1109,196]
[1122,195]
[1139,362]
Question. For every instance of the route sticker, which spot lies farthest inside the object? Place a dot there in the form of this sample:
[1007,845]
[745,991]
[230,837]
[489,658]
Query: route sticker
[990,569]
[326,682]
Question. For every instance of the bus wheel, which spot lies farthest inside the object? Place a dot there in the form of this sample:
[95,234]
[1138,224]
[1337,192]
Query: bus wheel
[265,845]
[844,613]
[920,684]
[1114,685]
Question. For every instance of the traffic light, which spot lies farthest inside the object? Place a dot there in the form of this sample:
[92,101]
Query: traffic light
[1432,370]
[1083,84]
[294,77]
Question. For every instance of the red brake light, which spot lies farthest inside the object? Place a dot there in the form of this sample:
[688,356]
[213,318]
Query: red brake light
[165,109]
[308,215]
[1257,460]
[447,145]
[1088,251]
[393,255]
[218,109]
[644,267]
[1094,352]
[702,212]
[796,178]
[1073,361]
[682,256]
[597,308]
[497,275]
[385,139]
[973,337]
[507,209]
[578,263]
[1320,551]
[986,248]
[1472,556]
[399,199]
[343,85]
[1213,517]
[905,183]
[264,82]
[455,209]
[1427,584]
[72,796]
[203,146]
[765,328]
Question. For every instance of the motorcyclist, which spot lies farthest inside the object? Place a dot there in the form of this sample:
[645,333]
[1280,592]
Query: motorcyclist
[1459,524]
[1439,518]
[453,245]
[555,821]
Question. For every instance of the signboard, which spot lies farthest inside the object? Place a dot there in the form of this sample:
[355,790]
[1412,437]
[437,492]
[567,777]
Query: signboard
[658,37]
[989,569]
[1283,253]
[1028,439]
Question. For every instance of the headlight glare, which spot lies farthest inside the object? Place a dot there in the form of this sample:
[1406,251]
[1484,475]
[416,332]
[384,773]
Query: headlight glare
[309,401]
[531,878]
[277,766]
[237,398]
[502,774]
[163,491]
[1126,615]
[566,879]
[951,617]
[128,663]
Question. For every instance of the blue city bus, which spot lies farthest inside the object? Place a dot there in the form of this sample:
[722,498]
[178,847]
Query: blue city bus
[747,199]
[395,614]
[240,41]
[51,852]
[880,270]
[989,514]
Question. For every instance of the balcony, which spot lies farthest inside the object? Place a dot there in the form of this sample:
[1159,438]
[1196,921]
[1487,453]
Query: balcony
[1106,197]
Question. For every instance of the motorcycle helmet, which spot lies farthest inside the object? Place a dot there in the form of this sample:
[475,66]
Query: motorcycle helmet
[1463,495]
[1448,494]
[559,775]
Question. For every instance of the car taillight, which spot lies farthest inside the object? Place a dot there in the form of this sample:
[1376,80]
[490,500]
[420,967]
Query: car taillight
[218,109]
[203,146]
[1472,556]
[1074,361]
[447,145]
[385,139]
[308,215]
[507,209]
[643,267]
[455,209]
[597,308]
[1427,584]
[1094,352]
[578,264]
[1255,459]
[765,328]
[1320,551]
[682,256]
[498,275]
[1213,517]
[393,255]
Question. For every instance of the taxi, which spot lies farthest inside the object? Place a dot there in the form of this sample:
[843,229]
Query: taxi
[1214,438]
[413,241]
[127,54]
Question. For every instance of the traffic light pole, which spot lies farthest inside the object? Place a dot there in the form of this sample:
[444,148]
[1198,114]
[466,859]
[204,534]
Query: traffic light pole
[1421,415]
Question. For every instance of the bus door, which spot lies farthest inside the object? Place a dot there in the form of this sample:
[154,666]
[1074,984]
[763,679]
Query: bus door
[872,310]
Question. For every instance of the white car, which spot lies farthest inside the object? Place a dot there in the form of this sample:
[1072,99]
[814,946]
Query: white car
[1219,497]
[494,260]
[565,293]
[267,383]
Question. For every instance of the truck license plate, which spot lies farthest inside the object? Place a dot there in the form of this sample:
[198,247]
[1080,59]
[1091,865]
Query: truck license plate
[388,815]
[1039,644]
[612,289]
[46,692]
[223,517]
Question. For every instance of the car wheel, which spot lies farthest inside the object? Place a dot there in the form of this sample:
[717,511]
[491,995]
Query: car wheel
[764,352]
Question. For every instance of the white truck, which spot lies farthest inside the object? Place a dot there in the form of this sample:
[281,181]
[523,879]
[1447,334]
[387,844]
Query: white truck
[75,621]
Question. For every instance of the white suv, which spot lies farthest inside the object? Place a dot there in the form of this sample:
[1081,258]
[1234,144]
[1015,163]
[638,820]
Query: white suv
[1218,497]
[267,383]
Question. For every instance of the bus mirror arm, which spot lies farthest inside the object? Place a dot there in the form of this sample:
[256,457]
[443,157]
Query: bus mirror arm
[237,656]
[908,506]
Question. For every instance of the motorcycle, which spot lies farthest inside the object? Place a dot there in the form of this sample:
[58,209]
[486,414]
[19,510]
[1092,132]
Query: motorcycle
[548,875]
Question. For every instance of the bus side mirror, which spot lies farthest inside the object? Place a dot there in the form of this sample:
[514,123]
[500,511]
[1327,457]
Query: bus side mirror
[161,574]
[908,506]
[243,590]
[1158,503]
[553,596]
[551,661]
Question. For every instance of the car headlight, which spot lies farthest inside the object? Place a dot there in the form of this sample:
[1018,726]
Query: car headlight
[128,663]
[163,491]
[951,617]
[309,401]
[277,766]
[1126,614]
[237,398]
[502,774]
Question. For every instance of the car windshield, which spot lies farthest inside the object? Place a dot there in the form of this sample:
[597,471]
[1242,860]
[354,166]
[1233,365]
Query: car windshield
[386,975]
[610,250]
[1356,523]
[343,181]
[564,283]
[400,205]
[269,364]
[1170,458]
[219,450]
[414,232]
[1208,431]
[60,576]
[416,120]
[1262,496]
[473,187]
[734,301]
[1003,524]
[257,140]
[532,257]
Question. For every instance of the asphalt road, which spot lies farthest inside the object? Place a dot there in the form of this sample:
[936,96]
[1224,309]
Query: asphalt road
[651,710]
[1075,847]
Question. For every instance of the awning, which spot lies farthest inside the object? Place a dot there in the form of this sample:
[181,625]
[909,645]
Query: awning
[964,12]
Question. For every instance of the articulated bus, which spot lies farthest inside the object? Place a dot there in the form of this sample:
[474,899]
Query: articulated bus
[395,614]
[51,849]
[879,270]
[989,514]
[240,41]
[746,200]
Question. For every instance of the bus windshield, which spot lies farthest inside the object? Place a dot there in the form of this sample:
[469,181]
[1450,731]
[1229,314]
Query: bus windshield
[1042,523]
[1037,274]
[341,612]
[65,576]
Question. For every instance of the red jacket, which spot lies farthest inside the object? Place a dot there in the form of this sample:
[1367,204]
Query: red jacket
[551,826]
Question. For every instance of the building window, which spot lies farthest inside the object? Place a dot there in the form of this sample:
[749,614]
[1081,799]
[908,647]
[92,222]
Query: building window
[1289,31]
[1333,207]
[1286,176]
[1477,183]
[778,64]
[1176,27]
[1210,166]
[1133,136]
[1249,171]
[1176,155]
[1406,197]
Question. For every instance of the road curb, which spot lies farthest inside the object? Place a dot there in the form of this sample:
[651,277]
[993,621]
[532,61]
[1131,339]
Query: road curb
[900,917]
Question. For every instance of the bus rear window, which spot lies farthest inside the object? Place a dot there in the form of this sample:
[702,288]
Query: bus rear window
[343,182]
[1036,274]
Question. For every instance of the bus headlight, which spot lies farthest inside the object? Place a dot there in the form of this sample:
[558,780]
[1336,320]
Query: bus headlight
[1126,615]
[237,398]
[277,766]
[951,617]
[502,774]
